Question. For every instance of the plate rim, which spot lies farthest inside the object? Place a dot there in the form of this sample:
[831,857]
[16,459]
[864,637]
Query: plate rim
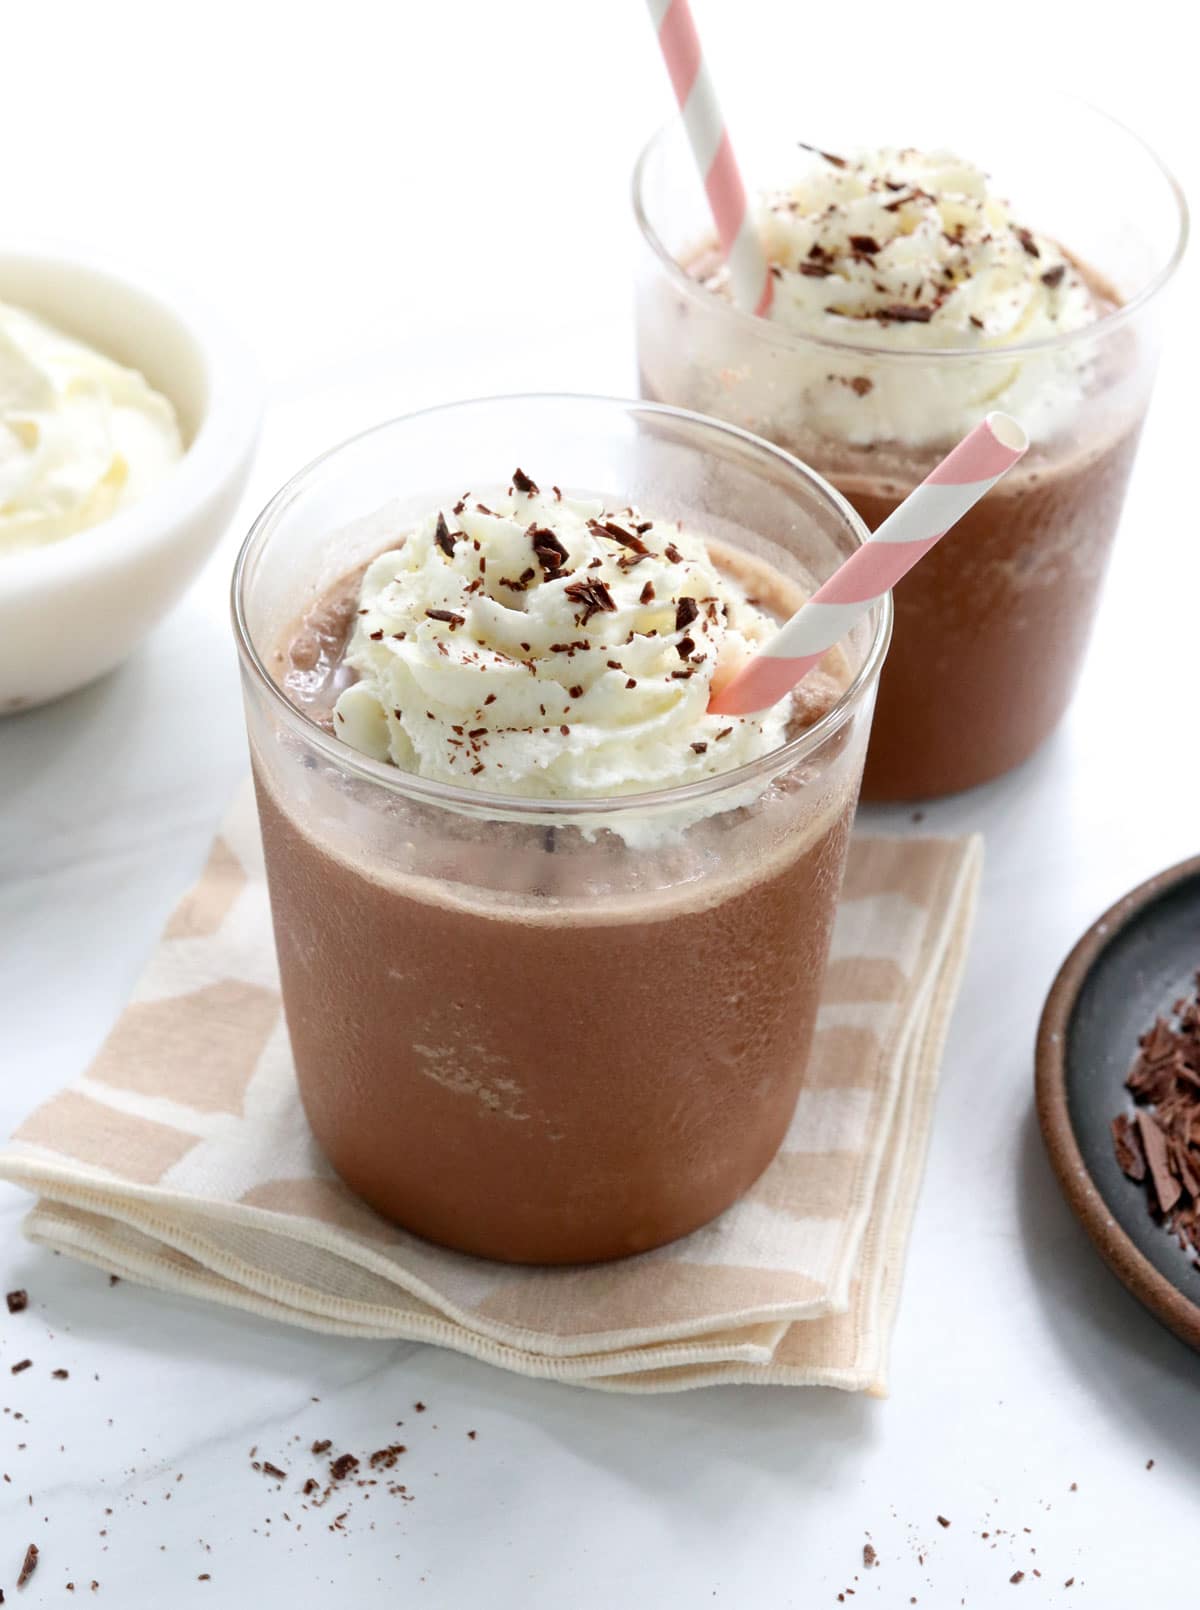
[1130,1265]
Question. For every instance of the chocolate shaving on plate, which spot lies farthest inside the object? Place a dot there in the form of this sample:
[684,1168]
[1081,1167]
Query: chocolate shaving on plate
[1158,1147]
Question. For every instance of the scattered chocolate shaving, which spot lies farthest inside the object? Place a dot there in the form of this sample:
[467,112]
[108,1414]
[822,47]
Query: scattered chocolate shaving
[869,1556]
[814,271]
[577,691]
[29,1566]
[686,611]
[724,733]
[523,483]
[1025,236]
[1017,1576]
[618,533]
[673,554]
[700,748]
[18,1301]
[344,1465]
[551,554]
[419,1408]
[447,615]
[323,1446]
[385,1458]
[268,1469]
[942,1521]
[827,156]
[646,595]
[60,1375]
[24,1364]
[376,637]
[443,537]
[632,683]
[860,385]
[867,244]
[593,595]
[900,313]
[975,320]
[685,646]
[1053,277]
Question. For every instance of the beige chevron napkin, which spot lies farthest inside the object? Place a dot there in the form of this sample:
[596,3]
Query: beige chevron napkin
[182,1159]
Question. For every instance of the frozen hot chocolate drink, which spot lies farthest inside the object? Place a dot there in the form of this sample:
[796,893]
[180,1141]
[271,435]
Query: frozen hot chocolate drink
[551,936]
[908,300]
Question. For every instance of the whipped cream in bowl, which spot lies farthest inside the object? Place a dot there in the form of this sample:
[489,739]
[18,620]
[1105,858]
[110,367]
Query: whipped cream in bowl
[80,435]
[129,414]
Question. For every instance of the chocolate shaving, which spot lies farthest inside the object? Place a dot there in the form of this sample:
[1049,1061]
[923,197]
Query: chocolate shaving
[22,1364]
[685,646]
[551,554]
[686,610]
[1053,277]
[1154,1143]
[593,595]
[646,596]
[860,385]
[443,537]
[867,244]
[17,1301]
[1128,1147]
[523,483]
[827,156]
[618,533]
[1025,236]
[447,615]
[900,313]
[673,554]
[814,271]
[344,1465]
[268,1469]
[700,748]
[869,1556]
[1159,1148]
[29,1566]
[323,1446]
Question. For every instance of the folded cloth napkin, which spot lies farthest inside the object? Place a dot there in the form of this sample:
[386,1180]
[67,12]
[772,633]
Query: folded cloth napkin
[182,1159]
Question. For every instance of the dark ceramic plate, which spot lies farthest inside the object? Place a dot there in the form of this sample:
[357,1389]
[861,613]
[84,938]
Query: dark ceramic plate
[1129,968]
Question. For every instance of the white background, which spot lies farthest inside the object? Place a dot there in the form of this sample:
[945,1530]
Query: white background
[400,205]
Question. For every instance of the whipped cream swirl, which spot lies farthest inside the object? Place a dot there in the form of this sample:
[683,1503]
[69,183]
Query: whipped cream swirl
[545,646]
[80,436]
[906,251]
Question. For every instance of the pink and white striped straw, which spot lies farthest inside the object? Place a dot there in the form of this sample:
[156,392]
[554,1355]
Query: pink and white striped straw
[709,138]
[927,513]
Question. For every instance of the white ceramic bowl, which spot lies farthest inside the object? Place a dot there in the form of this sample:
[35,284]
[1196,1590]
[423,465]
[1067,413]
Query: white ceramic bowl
[72,610]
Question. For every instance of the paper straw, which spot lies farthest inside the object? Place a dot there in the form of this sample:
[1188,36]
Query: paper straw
[709,139]
[941,500]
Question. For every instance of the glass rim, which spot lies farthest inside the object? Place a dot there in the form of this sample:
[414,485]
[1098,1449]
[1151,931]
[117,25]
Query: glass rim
[777,335]
[473,801]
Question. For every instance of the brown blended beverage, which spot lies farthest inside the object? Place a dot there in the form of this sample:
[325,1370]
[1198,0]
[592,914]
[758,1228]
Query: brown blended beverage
[908,302]
[551,937]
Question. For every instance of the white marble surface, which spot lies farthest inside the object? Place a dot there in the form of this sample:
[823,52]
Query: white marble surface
[316,180]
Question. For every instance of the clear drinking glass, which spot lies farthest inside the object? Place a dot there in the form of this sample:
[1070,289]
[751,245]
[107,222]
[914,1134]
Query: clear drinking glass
[992,625]
[548,1030]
